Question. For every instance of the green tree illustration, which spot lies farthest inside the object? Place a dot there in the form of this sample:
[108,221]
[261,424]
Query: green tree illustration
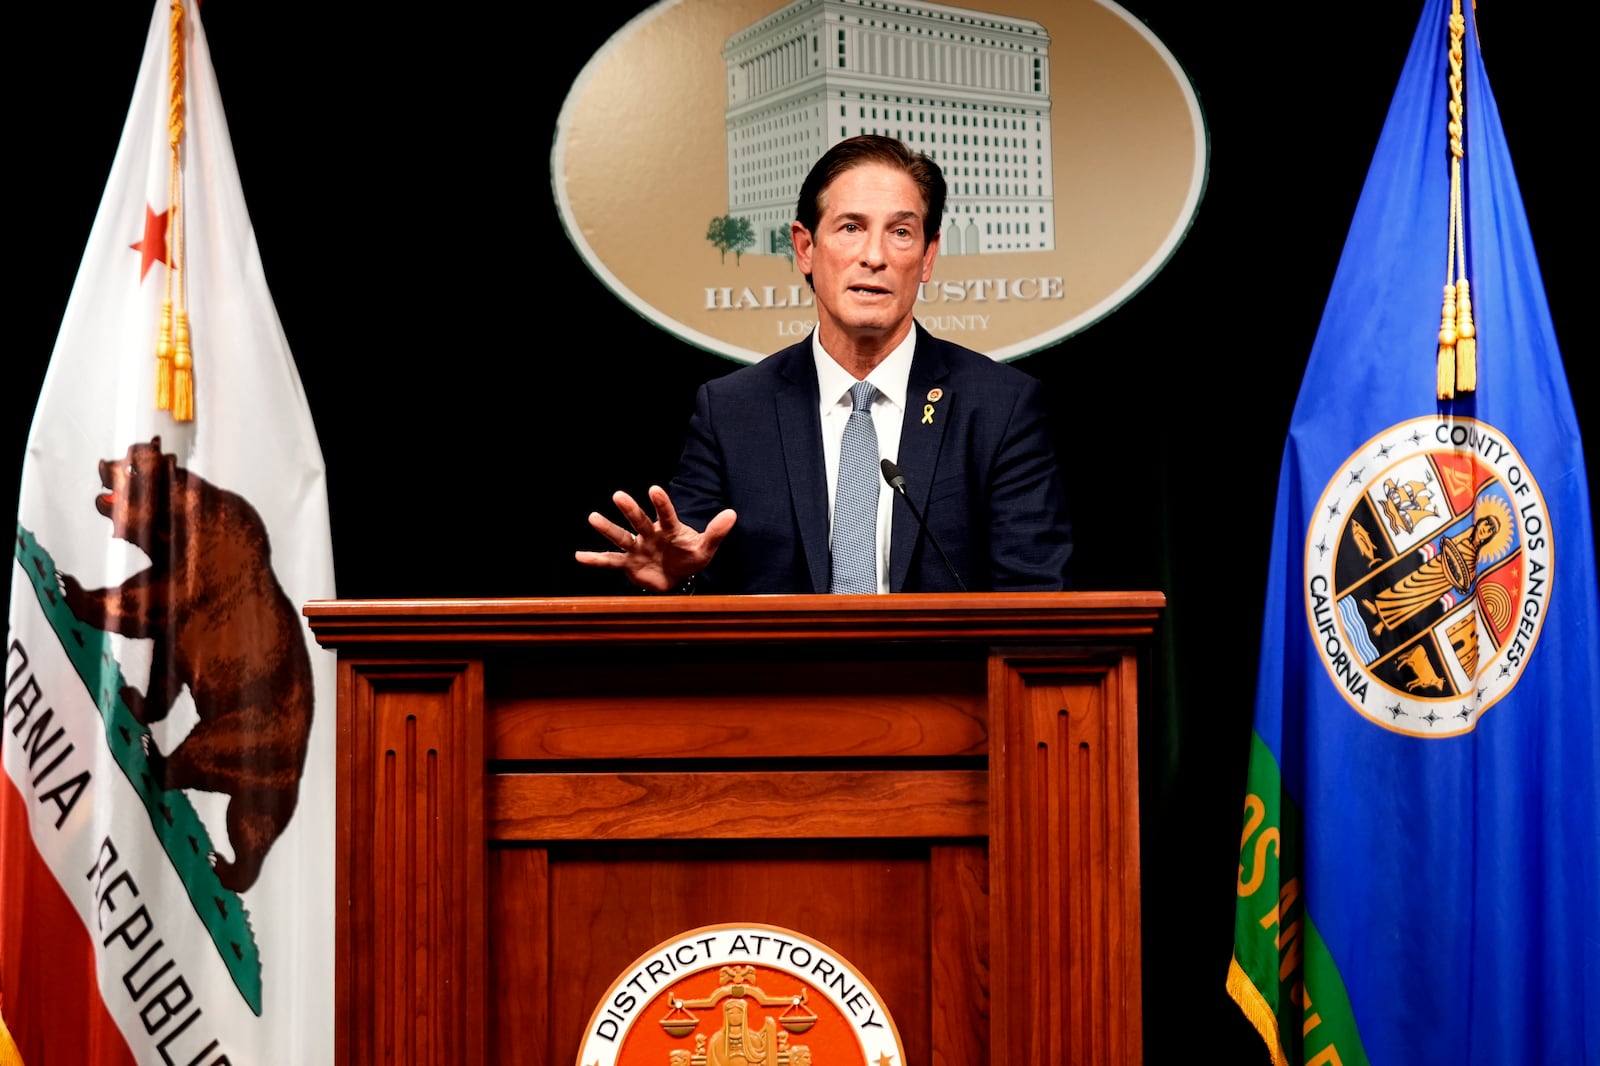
[717,234]
[728,233]
[741,238]
[783,244]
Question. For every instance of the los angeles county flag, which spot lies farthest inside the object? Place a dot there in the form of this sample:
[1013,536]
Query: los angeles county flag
[1419,866]
[166,811]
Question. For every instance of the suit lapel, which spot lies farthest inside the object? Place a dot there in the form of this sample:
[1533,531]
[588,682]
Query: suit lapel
[800,429]
[921,436]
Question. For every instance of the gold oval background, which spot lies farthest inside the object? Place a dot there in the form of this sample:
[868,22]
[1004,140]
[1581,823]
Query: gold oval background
[639,167]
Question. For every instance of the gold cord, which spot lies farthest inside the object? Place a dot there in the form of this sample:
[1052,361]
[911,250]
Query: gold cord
[1458,344]
[174,361]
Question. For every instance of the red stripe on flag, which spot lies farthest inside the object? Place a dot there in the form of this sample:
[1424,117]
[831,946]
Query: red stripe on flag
[47,980]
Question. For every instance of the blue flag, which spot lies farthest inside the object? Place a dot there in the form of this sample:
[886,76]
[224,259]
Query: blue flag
[1418,864]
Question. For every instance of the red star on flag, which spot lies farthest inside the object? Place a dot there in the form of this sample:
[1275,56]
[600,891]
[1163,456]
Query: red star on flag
[154,245]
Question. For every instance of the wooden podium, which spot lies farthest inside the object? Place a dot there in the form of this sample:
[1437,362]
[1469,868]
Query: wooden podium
[942,788]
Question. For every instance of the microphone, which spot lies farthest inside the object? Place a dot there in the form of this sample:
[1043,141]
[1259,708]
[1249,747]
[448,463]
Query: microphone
[897,482]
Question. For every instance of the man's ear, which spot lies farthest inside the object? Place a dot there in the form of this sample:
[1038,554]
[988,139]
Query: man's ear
[803,243]
[928,256]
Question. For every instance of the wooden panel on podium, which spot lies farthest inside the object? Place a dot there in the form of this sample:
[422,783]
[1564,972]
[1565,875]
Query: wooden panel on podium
[942,788]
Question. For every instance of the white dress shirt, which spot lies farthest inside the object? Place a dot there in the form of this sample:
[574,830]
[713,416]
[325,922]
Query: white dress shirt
[891,378]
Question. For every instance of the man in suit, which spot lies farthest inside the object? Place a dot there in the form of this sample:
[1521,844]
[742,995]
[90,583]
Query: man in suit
[767,488]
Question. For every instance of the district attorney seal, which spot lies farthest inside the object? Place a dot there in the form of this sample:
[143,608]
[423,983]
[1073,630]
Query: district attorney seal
[737,994]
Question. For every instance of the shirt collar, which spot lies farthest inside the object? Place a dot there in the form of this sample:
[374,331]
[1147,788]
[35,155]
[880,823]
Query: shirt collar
[891,377]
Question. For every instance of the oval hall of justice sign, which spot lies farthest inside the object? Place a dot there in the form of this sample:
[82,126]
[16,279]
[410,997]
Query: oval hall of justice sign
[1071,140]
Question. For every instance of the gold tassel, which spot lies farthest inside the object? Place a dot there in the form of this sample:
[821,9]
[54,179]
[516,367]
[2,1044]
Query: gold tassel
[182,373]
[1447,346]
[1458,337]
[1466,340]
[164,359]
[174,360]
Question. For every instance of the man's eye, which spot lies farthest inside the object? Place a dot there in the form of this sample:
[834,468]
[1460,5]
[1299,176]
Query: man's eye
[902,232]
[850,227]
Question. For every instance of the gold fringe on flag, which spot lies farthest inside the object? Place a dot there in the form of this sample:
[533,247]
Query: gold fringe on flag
[9,1055]
[1458,344]
[1256,1009]
[174,360]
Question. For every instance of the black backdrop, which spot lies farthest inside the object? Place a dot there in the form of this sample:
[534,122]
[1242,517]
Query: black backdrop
[396,167]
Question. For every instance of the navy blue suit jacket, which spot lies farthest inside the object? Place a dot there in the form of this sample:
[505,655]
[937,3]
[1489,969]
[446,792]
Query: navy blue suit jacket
[982,470]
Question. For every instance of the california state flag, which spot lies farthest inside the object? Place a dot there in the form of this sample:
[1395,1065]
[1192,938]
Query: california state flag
[166,811]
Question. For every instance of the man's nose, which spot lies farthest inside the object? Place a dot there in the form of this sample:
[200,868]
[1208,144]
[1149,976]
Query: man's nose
[872,249]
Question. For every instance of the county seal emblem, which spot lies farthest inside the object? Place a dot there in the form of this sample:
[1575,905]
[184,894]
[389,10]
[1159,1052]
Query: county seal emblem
[1428,569]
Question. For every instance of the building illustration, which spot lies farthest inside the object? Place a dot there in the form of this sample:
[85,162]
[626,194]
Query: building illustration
[968,88]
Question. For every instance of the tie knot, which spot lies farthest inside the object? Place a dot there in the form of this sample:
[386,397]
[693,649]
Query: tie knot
[862,393]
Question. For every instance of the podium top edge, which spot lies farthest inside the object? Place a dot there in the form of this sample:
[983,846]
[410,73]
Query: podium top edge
[971,616]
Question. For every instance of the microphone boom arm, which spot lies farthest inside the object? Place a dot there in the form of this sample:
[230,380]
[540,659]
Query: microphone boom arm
[897,482]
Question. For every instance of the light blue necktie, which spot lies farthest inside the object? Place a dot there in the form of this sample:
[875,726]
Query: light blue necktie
[855,504]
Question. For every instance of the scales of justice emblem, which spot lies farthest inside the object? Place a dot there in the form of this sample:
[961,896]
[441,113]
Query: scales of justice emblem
[746,1038]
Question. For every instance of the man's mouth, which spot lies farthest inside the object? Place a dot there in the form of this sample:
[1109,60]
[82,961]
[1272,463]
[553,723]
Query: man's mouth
[869,290]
